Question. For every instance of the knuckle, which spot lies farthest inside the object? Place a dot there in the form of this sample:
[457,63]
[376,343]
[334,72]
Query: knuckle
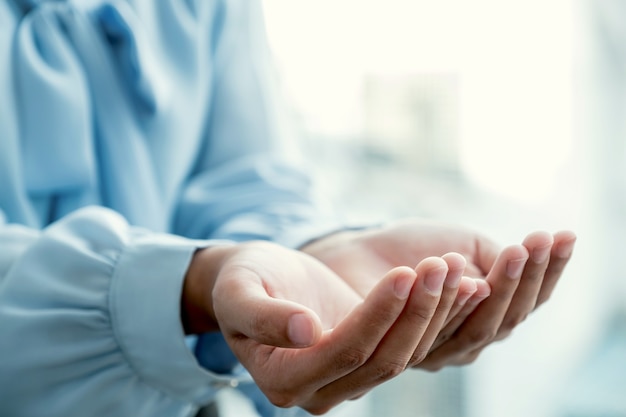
[359,395]
[479,337]
[351,358]
[282,398]
[422,313]
[434,368]
[512,322]
[431,364]
[387,314]
[469,358]
[446,303]
[431,367]
[318,410]
[445,336]
[389,370]
[503,334]
[418,356]
[556,268]
[534,274]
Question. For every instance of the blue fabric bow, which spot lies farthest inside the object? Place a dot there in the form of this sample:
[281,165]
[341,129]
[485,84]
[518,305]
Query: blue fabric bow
[66,86]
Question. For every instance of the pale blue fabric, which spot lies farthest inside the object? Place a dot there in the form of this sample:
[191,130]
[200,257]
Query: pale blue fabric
[127,129]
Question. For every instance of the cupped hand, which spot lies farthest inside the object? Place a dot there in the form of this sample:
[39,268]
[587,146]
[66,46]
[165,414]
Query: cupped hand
[521,279]
[506,284]
[306,337]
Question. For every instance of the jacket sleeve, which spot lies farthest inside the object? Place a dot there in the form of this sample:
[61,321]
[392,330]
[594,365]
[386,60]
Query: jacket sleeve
[250,179]
[90,321]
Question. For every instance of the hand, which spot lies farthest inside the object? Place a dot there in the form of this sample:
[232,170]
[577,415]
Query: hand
[305,336]
[360,257]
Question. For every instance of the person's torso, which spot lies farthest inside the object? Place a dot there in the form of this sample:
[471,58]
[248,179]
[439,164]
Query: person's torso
[103,102]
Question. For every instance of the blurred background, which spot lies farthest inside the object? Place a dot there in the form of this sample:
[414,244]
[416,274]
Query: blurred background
[506,116]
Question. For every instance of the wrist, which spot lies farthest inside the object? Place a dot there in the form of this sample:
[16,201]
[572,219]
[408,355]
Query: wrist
[197,311]
[325,246]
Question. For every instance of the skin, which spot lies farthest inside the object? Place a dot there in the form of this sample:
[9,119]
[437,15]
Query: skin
[511,282]
[348,312]
[306,337]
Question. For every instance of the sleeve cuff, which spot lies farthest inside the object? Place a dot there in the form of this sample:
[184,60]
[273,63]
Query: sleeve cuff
[145,314]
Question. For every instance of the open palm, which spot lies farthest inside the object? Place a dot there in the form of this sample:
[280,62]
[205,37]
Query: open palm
[520,277]
[307,338]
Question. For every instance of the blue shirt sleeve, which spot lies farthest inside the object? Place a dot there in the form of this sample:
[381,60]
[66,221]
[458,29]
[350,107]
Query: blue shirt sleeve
[90,321]
[250,180]
[169,114]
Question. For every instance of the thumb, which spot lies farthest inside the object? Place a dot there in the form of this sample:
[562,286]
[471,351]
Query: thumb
[250,312]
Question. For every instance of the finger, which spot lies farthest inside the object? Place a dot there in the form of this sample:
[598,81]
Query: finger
[467,288]
[456,266]
[482,290]
[398,345]
[541,273]
[562,249]
[539,245]
[296,374]
[354,340]
[252,313]
[482,325]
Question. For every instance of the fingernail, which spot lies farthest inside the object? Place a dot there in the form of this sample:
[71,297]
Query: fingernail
[299,330]
[434,280]
[482,291]
[540,255]
[564,250]
[515,267]
[402,286]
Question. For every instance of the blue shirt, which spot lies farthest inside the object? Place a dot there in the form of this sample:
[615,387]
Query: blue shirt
[131,133]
